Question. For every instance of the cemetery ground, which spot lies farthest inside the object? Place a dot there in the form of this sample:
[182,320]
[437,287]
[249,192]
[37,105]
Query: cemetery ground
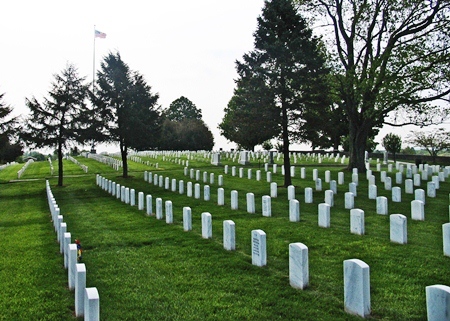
[146,269]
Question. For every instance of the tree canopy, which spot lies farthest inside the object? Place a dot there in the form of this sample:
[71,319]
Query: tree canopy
[58,120]
[391,60]
[251,117]
[434,141]
[10,148]
[392,143]
[182,108]
[187,134]
[129,110]
[289,61]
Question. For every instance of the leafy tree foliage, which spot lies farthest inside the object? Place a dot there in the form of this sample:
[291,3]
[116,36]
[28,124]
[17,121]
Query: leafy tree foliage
[392,143]
[10,149]
[391,61]
[289,61]
[127,107]
[184,129]
[182,108]
[409,150]
[434,141]
[187,134]
[57,120]
[251,117]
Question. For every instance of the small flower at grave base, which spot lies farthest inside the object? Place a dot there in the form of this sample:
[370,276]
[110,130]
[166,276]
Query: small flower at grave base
[79,250]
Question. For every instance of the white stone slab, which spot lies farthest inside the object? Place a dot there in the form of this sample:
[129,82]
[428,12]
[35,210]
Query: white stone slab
[409,186]
[187,219]
[234,200]
[349,200]
[273,190]
[206,193]
[169,212]
[71,265]
[294,210]
[229,235]
[382,205]
[333,186]
[149,204]
[417,210]
[398,231]
[250,197]
[220,196]
[80,286]
[357,221]
[357,287]
[189,189]
[419,194]
[298,266]
[329,197]
[206,225]
[446,238]
[341,178]
[396,194]
[291,192]
[352,187]
[324,215]
[266,206]
[308,195]
[438,302]
[159,209]
[259,248]
[318,184]
[197,191]
[91,304]
[431,189]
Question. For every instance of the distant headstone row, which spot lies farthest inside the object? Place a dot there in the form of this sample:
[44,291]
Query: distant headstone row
[83,167]
[87,301]
[6,165]
[51,165]
[111,161]
[24,167]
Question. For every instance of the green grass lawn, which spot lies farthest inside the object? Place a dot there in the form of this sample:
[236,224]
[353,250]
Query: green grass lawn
[145,269]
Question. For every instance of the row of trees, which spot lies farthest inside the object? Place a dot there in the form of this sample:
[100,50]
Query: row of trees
[377,62]
[120,109]
[433,142]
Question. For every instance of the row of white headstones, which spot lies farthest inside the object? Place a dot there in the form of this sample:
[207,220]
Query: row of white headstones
[87,300]
[24,167]
[356,272]
[85,168]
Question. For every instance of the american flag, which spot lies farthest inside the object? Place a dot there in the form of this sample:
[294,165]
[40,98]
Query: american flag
[99,34]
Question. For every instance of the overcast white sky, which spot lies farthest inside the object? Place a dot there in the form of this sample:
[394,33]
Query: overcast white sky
[182,47]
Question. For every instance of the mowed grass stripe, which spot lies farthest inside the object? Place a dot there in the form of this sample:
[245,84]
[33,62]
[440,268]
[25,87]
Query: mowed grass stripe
[32,277]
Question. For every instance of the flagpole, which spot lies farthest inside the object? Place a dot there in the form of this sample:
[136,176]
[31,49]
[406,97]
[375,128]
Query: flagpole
[93,67]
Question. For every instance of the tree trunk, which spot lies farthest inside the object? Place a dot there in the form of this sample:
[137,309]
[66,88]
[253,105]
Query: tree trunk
[357,141]
[123,153]
[60,165]
[287,161]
